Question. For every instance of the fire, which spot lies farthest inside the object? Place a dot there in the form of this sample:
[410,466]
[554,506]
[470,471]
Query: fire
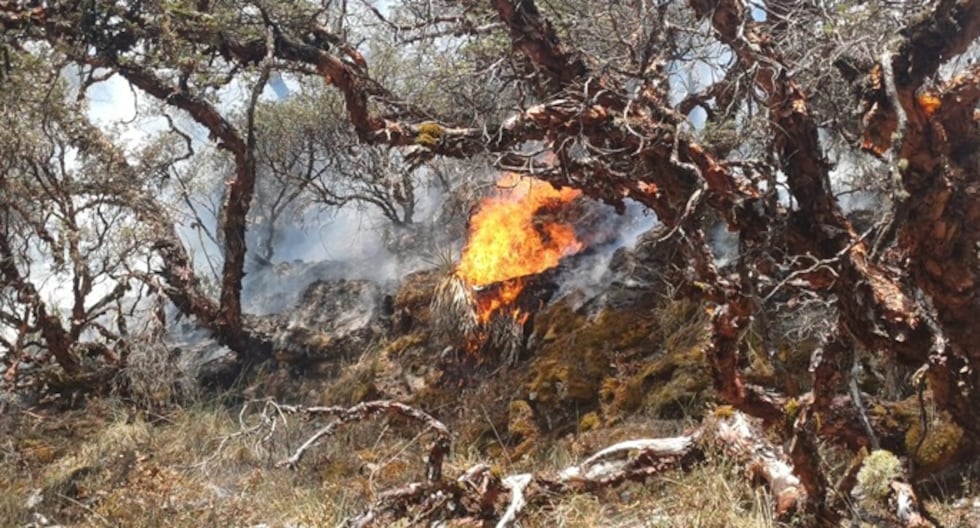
[488,302]
[507,240]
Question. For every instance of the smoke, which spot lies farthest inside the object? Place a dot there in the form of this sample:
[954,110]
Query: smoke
[352,242]
[724,244]
[588,274]
[326,245]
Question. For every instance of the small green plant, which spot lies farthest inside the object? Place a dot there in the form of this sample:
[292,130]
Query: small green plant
[879,469]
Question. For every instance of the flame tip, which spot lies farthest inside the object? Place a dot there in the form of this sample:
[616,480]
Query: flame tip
[507,241]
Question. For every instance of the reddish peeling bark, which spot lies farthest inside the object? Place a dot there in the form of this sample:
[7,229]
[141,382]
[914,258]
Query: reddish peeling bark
[56,336]
[875,308]
[940,171]
[240,189]
[819,226]
[536,38]
[653,161]
[932,135]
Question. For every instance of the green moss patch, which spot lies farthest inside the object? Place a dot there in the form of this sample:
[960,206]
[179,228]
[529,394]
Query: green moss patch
[620,361]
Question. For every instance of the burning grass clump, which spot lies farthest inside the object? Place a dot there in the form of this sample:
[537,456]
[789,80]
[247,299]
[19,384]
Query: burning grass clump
[457,320]
[505,336]
[453,309]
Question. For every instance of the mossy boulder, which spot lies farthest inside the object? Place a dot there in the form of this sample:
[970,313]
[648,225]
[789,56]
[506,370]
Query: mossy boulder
[671,382]
[332,320]
[670,386]
[620,360]
[573,354]
[936,445]
[412,301]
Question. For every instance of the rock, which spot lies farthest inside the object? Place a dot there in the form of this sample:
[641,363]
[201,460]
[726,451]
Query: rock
[332,320]
[637,276]
[273,288]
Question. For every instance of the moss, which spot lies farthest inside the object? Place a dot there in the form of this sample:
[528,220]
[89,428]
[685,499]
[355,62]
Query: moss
[723,411]
[791,410]
[589,422]
[667,387]
[575,354]
[621,360]
[569,366]
[876,473]
[522,427]
[673,383]
[899,425]
[942,443]
[521,419]
[430,134]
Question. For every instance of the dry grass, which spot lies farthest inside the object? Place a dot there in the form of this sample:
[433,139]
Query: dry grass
[192,468]
[130,472]
[112,467]
[715,493]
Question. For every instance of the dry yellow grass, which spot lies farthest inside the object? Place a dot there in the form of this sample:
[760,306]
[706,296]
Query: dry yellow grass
[108,467]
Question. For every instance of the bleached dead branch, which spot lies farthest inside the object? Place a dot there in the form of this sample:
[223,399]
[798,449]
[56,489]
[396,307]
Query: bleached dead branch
[363,411]
[618,457]
[516,484]
[740,438]
[906,505]
[480,494]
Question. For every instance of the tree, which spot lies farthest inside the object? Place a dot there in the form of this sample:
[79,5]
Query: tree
[57,227]
[588,96]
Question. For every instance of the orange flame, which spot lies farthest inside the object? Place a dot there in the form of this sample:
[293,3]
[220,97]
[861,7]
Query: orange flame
[929,103]
[507,241]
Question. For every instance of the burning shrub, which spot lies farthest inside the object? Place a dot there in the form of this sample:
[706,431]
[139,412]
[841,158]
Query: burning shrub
[508,240]
[453,309]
